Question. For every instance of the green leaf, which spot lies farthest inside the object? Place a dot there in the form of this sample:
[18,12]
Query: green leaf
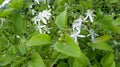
[18,61]
[116,22]
[1,1]
[6,59]
[62,64]
[63,56]
[70,48]
[70,61]
[59,2]
[102,38]
[101,46]
[17,4]
[6,12]
[36,61]
[118,64]
[61,20]
[18,23]
[39,40]
[113,64]
[12,50]
[114,1]
[107,22]
[108,60]
[81,61]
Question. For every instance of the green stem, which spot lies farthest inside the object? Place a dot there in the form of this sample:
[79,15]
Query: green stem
[56,60]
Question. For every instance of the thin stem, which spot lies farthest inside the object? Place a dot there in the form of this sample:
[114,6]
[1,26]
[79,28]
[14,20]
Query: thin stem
[56,60]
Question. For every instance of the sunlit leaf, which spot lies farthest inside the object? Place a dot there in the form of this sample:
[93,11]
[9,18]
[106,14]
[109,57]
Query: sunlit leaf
[61,20]
[116,22]
[102,38]
[17,4]
[108,60]
[101,46]
[6,12]
[39,40]
[70,48]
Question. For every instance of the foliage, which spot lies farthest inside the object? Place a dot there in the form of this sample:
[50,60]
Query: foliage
[60,33]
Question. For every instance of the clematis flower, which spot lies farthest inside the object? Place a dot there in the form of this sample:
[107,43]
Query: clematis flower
[42,16]
[75,35]
[40,28]
[5,3]
[89,14]
[78,23]
[43,29]
[77,28]
[38,1]
[92,34]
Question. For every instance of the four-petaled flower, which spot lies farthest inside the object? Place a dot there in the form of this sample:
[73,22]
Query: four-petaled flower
[75,35]
[92,34]
[42,16]
[89,14]
[77,28]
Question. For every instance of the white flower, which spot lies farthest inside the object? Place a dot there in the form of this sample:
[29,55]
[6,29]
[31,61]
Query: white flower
[75,35]
[42,16]
[90,15]
[43,29]
[2,20]
[39,27]
[77,28]
[115,42]
[5,3]
[92,34]
[78,23]
[37,1]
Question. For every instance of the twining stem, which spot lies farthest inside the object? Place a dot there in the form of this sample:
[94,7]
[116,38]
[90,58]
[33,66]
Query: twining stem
[56,60]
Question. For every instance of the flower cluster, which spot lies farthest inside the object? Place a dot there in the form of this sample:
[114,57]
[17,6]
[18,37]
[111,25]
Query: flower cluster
[5,3]
[76,26]
[41,20]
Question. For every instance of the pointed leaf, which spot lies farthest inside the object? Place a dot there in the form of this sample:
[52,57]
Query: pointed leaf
[70,48]
[116,22]
[61,20]
[17,4]
[6,12]
[101,46]
[18,23]
[108,60]
[39,40]
[36,61]
[102,38]
[81,61]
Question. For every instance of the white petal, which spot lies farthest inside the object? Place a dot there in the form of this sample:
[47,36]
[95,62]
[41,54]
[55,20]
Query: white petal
[44,21]
[81,36]
[91,18]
